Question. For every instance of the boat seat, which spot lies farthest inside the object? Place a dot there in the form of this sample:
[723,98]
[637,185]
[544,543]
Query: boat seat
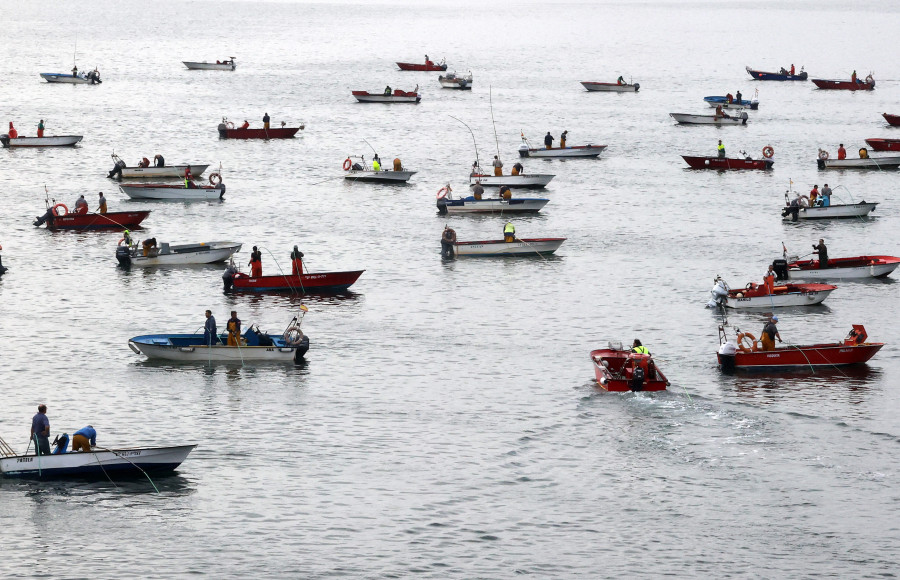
[164,248]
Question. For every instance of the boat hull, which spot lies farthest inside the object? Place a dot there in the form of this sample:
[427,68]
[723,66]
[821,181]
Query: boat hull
[860,209]
[725,164]
[568,152]
[57,141]
[688,119]
[859,267]
[786,295]
[173,171]
[524,181]
[617,374]
[422,67]
[366,97]
[893,120]
[178,255]
[891,162]
[452,81]
[323,282]
[610,87]
[96,463]
[118,220]
[884,144]
[209,65]
[379,176]
[270,133]
[843,85]
[190,348]
[767,76]
[817,355]
[64,78]
[524,247]
[171,192]
[500,206]
[723,101]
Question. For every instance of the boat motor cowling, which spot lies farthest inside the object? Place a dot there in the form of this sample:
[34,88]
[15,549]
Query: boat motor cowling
[744,117]
[727,355]
[637,87]
[523,150]
[4,139]
[719,294]
[781,269]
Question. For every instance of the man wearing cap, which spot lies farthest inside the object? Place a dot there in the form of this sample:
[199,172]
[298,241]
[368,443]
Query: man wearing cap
[769,334]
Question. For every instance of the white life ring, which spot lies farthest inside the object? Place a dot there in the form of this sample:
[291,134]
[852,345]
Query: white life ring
[768,151]
[293,335]
[230,125]
[215,179]
[823,155]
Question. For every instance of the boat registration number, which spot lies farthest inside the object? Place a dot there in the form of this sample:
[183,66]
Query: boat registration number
[128,453]
[24,459]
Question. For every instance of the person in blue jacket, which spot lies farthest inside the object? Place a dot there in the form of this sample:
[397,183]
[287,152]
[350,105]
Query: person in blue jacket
[84,439]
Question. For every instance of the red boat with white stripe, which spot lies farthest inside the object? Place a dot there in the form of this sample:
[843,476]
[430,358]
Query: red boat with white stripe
[746,355]
[618,370]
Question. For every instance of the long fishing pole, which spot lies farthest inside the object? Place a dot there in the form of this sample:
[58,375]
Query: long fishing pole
[491,102]
[477,162]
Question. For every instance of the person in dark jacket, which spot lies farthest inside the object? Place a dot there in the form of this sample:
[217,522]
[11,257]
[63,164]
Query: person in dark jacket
[210,336]
[548,140]
[266,121]
[823,253]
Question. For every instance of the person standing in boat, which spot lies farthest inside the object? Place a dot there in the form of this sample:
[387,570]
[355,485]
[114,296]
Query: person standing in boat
[266,121]
[159,161]
[517,169]
[41,128]
[498,166]
[40,431]
[822,250]
[81,205]
[792,69]
[738,97]
[842,153]
[509,232]
[853,78]
[769,280]
[255,263]
[84,439]
[637,347]
[813,194]
[620,81]
[13,134]
[296,262]
[234,329]
[825,197]
[376,163]
[478,190]
[721,149]
[210,335]
[187,177]
[769,334]
[548,140]
[75,71]
[387,90]
[448,240]
[102,207]
[562,139]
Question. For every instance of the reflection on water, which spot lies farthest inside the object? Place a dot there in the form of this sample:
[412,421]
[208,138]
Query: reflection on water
[847,385]
[171,484]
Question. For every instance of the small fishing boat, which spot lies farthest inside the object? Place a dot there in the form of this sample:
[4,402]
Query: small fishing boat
[223,65]
[132,461]
[716,101]
[688,119]
[856,267]
[524,180]
[360,171]
[784,75]
[256,346]
[397,96]
[842,210]
[569,151]
[57,217]
[227,130]
[427,66]
[724,163]
[446,204]
[309,283]
[879,144]
[863,162]
[174,192]
[893,120]
[520,247]
[611,87]
[850,85]
[620,370]
[757,296]
[56,141]
[176,255]
[88,78]
[455,81]
[745,354]
[121,170]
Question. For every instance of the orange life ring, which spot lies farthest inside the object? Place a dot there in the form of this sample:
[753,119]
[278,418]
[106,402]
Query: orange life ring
[215,179]
[823,155]
[62,205]
[293,335]
[120,241]
[442,192]
[768,151]
[741,345]
[347,164]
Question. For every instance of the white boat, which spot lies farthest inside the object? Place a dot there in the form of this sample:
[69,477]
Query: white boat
[446,204]
[524,180]
[520,247]
[88,78]
[387,176]
[173,171]
[611,87]
[181,254]
[397,96]
[99,463]
[173,192]
[857,267]
[688,119]
[887,162]
[756,296]
[455,81]
[191,348]
[57,141]
[849,210]
[588,150]
[224,65]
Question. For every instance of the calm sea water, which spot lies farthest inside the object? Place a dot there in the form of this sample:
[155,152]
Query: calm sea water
[446,423]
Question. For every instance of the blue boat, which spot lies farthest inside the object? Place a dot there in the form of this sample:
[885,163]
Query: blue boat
[734,104]
[779,76]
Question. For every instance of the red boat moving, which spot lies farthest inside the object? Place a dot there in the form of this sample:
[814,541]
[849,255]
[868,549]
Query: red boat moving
[743,356]
[618,370]
[322,282]
[58,217]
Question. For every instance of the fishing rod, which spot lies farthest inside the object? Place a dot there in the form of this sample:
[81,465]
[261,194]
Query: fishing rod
[491,102]
[477,162]
[532,248]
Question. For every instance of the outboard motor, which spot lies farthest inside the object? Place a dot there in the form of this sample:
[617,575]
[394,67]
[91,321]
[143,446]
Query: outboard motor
[744,117]
[727,355]
[637,379]
[781,269]
[301,350]
[719,294]
[4,139]
[523,150]
[123,255]
[223,131]
[62,443]
[47,217]
[637,87]
[221,188]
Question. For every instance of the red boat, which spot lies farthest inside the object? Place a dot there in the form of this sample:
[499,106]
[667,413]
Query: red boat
[428,66]
[324,282]
[868,85]
[723,163]
[852,350]
[59,218]
[227,130]
[622,370]
[884,144]
[893,120]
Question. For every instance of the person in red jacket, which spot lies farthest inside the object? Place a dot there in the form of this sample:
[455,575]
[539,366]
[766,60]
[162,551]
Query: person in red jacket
[296,262]
[12,131]
[842,153]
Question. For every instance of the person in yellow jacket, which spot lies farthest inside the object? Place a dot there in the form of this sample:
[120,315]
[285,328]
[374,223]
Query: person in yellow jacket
[234,329]
[509,232]
[721,150]
[376,163]
[639,348]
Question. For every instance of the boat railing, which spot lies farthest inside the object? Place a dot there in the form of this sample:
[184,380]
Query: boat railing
[5,449]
